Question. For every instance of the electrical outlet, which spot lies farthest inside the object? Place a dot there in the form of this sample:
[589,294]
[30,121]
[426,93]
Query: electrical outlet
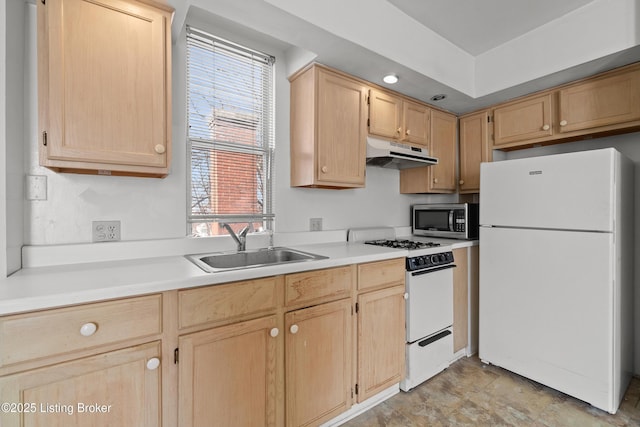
[315,224]
[105,231]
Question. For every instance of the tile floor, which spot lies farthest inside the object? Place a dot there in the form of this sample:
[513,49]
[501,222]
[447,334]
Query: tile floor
[470,393]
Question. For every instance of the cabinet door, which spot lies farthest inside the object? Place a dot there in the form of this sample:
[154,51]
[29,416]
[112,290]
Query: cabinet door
[104,81]
[416,122]
[524,120]
[341,130]
[381,340]
[440,178]
[318,363]
[227,375]
[384,114]
[120,388]
[443,147]
[474,149]
[460,299]
[600,102]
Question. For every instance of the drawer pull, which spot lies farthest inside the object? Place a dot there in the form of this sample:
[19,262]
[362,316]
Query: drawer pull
[88,329]
[153,363]
[274,332]
[294,329]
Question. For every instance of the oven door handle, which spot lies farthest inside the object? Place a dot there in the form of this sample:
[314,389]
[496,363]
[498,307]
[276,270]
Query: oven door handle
[433,270]
[434,338]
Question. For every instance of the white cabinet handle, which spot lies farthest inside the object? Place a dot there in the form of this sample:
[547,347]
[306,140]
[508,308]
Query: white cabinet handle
[407,132]
[435,180]
[563,123]
[88,329]
[159,149]
[293,329]
[545,127]
[274,332]
[462,182]
[324,169]
[399,130]
[406,295]
[153,363]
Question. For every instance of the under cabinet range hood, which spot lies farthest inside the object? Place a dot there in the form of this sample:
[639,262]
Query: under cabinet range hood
[395,155]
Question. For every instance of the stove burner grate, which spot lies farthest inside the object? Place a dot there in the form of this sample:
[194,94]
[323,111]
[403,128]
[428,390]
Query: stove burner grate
[402,244]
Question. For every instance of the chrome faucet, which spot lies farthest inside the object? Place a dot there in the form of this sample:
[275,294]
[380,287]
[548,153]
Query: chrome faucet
[241,237]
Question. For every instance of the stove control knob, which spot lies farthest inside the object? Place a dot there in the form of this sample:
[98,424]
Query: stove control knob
[421,260]
[434,259]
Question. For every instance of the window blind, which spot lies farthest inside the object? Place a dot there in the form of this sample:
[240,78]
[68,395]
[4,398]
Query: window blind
[230,133]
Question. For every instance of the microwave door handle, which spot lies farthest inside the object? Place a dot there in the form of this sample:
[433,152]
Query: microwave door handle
[451,220]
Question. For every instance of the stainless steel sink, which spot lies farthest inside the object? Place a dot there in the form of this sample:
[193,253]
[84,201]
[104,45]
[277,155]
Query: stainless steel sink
[225,261]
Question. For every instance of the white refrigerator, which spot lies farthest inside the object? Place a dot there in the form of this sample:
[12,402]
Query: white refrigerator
[556,272]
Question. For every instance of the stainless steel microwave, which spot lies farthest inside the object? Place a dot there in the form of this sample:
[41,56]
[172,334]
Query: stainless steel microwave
[448,220]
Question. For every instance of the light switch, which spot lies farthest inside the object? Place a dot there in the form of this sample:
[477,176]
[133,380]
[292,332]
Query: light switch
[36,187]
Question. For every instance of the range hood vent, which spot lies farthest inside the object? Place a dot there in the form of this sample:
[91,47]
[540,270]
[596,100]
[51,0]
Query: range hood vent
[395,155]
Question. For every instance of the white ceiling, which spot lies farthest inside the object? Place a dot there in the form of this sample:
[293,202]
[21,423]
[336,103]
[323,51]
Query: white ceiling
[477,52]
[478,26]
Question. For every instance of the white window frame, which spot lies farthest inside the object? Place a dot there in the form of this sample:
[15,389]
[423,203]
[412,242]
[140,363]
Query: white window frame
[266,150]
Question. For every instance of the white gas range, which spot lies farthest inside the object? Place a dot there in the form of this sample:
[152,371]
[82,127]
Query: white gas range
[429,307]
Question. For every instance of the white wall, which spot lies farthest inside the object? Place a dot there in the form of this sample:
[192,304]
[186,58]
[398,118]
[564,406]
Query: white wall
[3,140]
[630,146]
[156,208]
[14,113]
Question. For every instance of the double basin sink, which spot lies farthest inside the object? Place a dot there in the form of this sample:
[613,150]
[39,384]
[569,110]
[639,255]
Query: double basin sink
[226,261]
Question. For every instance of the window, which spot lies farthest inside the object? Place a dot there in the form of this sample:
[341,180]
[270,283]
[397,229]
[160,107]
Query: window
[230,135]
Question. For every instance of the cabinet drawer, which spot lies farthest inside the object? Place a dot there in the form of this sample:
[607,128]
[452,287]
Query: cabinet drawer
[318,285]
[223,302]
[381,273]
[31,336]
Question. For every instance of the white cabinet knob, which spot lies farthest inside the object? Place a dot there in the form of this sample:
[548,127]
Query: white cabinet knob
[462,182]
[159,149]
[293,329]
[274,332]
[406,295]
[435,180]
[407,132]
[88,329]
[399,130]
[563,123]
[153,363]
[324,169]
[545,127]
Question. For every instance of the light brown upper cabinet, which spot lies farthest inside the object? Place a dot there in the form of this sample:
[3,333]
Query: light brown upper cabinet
[474,149]
[104,86]
[394,117]
[440,178]
[606,104]
[600,102]
[328,129]
[385,112]
[526,119]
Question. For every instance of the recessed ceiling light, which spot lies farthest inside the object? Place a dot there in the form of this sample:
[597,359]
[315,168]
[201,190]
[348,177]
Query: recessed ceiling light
[440,97]
[390,78]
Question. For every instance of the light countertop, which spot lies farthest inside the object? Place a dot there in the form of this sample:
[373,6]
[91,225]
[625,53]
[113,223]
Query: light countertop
[55,286]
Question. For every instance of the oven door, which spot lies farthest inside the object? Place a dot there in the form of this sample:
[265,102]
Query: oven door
[429,307]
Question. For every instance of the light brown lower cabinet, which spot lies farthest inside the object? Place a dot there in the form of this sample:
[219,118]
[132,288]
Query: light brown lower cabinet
[118,388]
[318,361]
[460,299]
[227,375]
[381,340]
[465,299]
